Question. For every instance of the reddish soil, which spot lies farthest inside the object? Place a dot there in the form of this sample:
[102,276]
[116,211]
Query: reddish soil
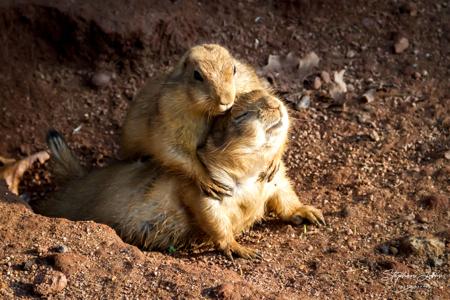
[379,171]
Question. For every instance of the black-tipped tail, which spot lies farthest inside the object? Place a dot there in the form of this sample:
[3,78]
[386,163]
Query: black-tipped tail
[65,164]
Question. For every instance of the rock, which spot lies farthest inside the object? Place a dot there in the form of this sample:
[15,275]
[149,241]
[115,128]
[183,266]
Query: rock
[447,155]
[350,54]
[363,118]
[435,262]
[401,45]
[421,246]
[350,87]
[368,96]
[227,291]
[325,76]
[28,265]
[304,103]
[374,135]
[101,79]
[317,83]
[410,217]
[50,282]
[393,250]
[345,212]
[310,248]
[384,249]
[61,249]
[39,249]
[422,219]
[351,244]
[289,229]
[297,220]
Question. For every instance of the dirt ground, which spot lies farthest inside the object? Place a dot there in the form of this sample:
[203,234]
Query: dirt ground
[378,168]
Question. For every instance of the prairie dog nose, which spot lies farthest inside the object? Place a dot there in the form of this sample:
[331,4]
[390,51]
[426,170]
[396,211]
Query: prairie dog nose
[226,99]
[272,102]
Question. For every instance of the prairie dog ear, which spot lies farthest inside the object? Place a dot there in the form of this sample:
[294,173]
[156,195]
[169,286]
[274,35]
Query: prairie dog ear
[180,67]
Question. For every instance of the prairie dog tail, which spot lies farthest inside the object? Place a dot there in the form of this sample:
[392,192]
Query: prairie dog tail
[65,164]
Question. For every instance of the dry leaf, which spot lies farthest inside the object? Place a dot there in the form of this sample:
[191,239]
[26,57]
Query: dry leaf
[339,80]
[308,63]
[273,64]
[292,64]
[279,63]
[11,170]
[338,88]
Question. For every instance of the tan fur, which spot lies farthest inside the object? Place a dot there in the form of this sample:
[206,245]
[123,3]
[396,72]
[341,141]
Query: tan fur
[155,209]
[170,117]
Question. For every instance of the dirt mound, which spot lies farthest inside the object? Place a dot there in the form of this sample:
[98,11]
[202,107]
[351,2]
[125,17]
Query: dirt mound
[94,260]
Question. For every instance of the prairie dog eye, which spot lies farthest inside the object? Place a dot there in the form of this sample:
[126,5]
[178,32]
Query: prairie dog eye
[198,76]
[241,117]
[234,70]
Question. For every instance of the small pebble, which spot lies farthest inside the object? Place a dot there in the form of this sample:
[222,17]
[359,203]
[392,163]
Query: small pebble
[384,249]
[61,249]
[351,54]
[421,246]
[374,136]
[101,79]
[447,155]
[351,246]
[50,282]
[304,103]
[393,250]
[27,266]
[421,219]
[401,45]
[310,248]
[350,87]
[345,212]
[410,217]
[317,83]
[325,76]
[435,262]
[363,118]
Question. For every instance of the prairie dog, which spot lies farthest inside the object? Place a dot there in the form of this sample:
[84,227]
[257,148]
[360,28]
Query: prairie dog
[155,209]
[171,115]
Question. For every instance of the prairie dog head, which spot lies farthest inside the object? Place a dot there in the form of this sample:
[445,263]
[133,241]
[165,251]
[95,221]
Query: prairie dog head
[248,135]
[207,72]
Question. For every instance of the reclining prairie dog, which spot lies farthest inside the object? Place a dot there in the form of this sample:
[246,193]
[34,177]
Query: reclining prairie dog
[155,209]
[171,115]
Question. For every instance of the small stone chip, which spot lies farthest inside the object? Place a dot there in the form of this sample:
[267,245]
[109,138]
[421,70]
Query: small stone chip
[401,45]
[50,282]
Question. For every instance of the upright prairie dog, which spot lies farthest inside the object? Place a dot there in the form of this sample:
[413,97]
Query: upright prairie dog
[170,116]
[155,209]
